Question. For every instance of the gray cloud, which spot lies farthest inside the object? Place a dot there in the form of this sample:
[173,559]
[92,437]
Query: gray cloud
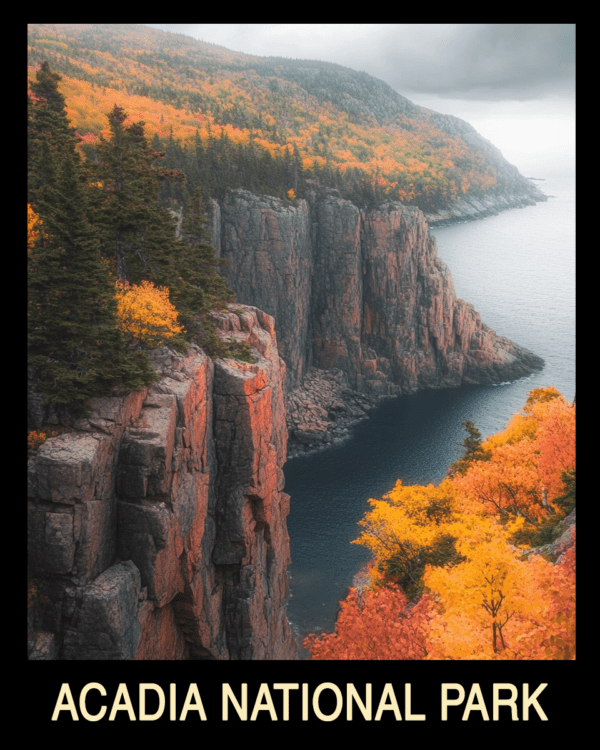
[468,61]
[496,62]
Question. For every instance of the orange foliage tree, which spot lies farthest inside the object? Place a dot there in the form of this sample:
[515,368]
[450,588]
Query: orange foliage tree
[555,441]
[374,625]
[34,224]
[554,637]
[527,461]
[507,485]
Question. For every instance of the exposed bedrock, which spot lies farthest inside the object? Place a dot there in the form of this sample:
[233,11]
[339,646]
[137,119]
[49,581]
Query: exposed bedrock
[157,526]
[357,292]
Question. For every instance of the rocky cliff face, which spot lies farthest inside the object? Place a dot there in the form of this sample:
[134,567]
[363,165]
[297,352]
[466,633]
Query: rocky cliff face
[356,292]
[157,526]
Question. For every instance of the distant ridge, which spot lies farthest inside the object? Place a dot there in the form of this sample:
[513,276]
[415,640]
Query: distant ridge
[341,127]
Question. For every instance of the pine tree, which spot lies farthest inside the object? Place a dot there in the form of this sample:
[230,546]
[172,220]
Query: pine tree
[75,347]
[133,228]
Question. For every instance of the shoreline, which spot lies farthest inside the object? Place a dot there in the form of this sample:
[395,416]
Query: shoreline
[474,209]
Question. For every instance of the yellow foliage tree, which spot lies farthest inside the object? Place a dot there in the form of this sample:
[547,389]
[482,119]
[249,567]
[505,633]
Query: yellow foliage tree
[518,428]
[541,396]
[497,605]
[524,425]
[145,314]
[486,598]
[406,529]
[33,227]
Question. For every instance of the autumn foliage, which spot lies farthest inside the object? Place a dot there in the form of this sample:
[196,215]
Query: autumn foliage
[35,438]
[145,314]
[461,552]
[34,224]
[374,625]
[184,90]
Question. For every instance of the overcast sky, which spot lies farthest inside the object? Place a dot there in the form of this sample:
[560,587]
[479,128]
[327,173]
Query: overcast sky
[515,83]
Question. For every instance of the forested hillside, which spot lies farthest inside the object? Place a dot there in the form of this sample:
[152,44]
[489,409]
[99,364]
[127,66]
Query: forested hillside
[481,566]
[271,125]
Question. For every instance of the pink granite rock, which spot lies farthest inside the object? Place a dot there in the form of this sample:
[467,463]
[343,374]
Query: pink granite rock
[163,536]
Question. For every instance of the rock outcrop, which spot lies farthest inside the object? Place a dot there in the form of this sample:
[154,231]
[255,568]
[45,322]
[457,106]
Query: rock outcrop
[358,292]
[157,526]
[564,533]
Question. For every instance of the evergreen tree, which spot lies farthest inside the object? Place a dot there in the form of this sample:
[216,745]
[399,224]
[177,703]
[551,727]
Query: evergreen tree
[47,113]
[200,289]
[199,261]
[473,450]
[566,501]
[472,443]
[50,138]
[75,348]
[134,230]
[139,234]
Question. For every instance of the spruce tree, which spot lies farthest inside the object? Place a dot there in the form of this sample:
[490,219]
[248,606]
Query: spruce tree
[140,234]
[134,229]
[47,121]
[75,347]
[200,288]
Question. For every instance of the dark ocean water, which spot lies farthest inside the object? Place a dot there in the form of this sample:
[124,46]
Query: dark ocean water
[518,270]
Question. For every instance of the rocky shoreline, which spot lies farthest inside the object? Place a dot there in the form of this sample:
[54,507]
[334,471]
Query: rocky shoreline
[322,411]
[473,209]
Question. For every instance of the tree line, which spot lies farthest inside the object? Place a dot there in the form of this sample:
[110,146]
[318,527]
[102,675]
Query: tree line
[107,278]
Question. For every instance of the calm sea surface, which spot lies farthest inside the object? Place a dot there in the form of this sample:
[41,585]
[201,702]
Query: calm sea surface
[518,270]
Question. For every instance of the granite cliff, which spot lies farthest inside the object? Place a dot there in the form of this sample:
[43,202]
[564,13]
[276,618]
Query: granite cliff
[364,308]
[157,526]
